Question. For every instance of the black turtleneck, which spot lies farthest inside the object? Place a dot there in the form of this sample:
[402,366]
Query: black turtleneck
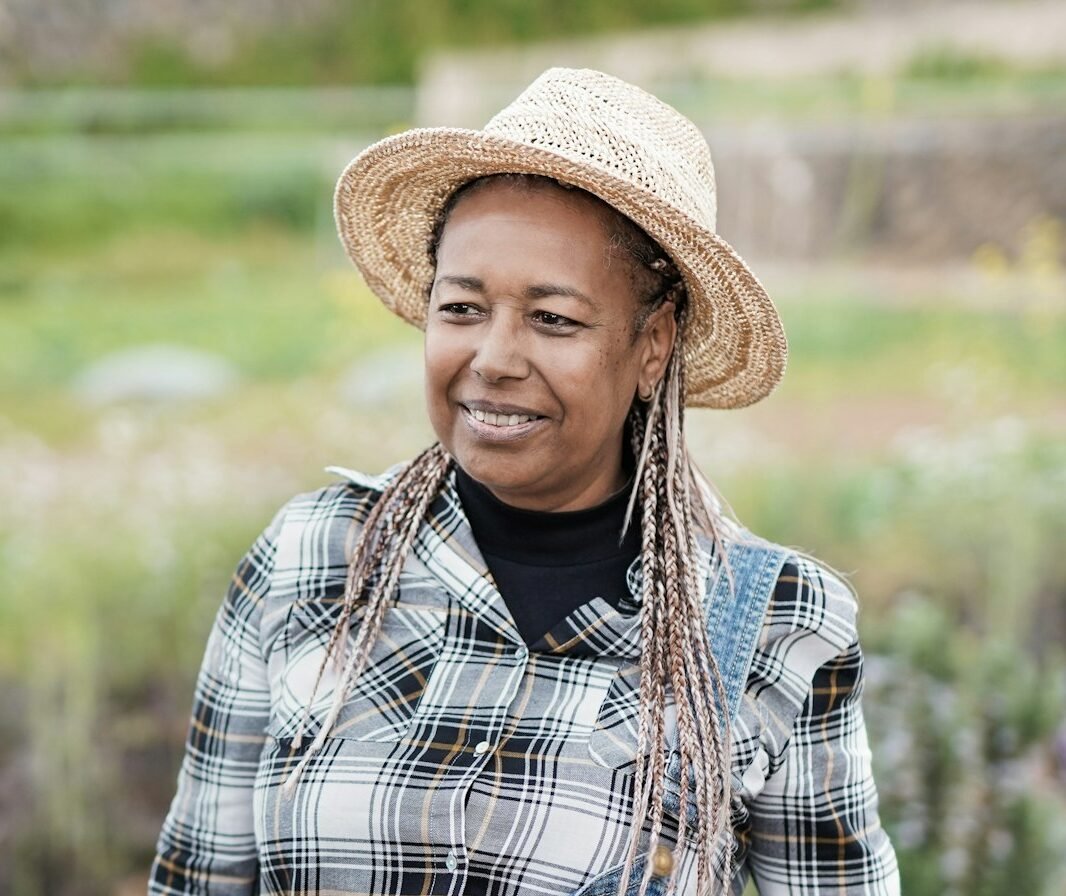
[547,564]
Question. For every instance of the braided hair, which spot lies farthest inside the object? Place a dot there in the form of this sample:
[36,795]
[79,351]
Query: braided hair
[675,653]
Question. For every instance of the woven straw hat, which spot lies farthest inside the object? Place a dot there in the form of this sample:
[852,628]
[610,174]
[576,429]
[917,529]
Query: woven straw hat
[612,139]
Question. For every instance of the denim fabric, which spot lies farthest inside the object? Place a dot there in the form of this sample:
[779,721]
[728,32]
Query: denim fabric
[607,883]
[735,617]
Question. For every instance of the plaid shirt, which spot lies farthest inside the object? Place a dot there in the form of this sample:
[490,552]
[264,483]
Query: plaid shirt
[465,762]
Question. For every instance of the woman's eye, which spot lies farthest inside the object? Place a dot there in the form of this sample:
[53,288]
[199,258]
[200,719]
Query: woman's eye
[458,309]
[554,321]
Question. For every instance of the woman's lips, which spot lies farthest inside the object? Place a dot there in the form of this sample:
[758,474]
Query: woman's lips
[501,419]
[501,427]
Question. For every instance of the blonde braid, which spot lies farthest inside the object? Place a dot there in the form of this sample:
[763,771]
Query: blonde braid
[712,770]
[652,696]
[374,568]
[675,651]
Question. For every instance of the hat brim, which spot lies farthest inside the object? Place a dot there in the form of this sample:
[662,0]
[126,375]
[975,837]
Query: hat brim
[389,196]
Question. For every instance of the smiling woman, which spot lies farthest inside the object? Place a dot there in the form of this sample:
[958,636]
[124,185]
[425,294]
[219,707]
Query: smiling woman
[538,658]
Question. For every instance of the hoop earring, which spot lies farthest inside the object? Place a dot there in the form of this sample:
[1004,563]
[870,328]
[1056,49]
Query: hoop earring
[648,397]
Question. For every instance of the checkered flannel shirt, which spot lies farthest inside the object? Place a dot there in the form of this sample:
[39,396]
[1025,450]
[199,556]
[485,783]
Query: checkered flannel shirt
[465,762]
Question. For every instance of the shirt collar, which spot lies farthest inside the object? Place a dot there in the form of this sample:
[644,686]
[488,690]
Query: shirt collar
[445,546]
[446,549]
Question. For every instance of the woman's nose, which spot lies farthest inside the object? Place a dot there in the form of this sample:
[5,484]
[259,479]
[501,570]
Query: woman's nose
[500,353]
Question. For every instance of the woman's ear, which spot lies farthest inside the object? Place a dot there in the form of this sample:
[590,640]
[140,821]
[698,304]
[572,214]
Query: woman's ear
[656,343]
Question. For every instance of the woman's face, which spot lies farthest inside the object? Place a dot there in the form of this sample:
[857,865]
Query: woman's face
[531,358]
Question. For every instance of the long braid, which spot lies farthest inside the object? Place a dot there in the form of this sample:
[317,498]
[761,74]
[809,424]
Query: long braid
[675,652]
[374,569]
[698,663]
[652,697]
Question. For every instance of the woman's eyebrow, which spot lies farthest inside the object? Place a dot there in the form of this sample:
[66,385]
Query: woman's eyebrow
[544,290]
[470,283]
[535,291]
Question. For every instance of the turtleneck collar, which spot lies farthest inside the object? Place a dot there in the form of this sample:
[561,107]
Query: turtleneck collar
[548,538]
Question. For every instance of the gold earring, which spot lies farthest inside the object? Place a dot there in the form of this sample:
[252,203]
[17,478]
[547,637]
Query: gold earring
[646,398]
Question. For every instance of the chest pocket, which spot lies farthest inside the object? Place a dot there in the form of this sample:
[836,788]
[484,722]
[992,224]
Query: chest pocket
[381,703]
[613,741]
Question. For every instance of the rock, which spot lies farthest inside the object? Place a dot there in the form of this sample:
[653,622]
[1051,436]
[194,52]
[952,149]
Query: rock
[156,373]
[384,377]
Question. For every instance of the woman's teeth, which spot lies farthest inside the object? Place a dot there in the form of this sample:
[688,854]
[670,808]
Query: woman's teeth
[501,419]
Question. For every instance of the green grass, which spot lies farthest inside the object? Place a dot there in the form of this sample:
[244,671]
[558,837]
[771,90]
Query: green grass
[75,191]
[869,348]
[260,303]
[95,111]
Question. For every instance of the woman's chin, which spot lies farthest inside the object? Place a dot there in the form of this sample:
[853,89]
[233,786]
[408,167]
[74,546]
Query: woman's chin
[498,475]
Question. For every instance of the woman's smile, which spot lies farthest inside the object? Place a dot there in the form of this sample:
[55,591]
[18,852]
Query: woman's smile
[499,423]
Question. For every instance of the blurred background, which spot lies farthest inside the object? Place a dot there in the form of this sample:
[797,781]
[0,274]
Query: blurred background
[183,346]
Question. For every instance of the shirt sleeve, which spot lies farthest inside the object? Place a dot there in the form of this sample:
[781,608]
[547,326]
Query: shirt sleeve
[814,828]
[207,843]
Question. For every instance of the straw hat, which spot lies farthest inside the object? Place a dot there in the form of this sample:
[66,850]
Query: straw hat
[612,139]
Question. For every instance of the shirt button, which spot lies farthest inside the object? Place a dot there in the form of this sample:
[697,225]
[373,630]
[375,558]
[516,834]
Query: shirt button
[482,748]
[520,653]
[451,862]
[662,861]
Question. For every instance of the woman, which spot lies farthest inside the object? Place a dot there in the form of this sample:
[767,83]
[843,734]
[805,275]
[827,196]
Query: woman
[537,658]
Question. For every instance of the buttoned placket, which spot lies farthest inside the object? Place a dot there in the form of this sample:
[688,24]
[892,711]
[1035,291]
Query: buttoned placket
[457,564]
[471,762]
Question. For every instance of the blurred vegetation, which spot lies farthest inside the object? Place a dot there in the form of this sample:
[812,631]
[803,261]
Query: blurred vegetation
[216,121]
[122,522]
[960,724]
[391,36]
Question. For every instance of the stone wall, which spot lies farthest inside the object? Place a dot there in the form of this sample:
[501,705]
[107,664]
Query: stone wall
[917,191]
[466,88]
[905,192]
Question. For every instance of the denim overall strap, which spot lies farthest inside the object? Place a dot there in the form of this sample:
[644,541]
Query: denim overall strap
[735,611]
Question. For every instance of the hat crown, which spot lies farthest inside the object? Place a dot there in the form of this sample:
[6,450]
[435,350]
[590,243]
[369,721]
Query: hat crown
[598,120]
